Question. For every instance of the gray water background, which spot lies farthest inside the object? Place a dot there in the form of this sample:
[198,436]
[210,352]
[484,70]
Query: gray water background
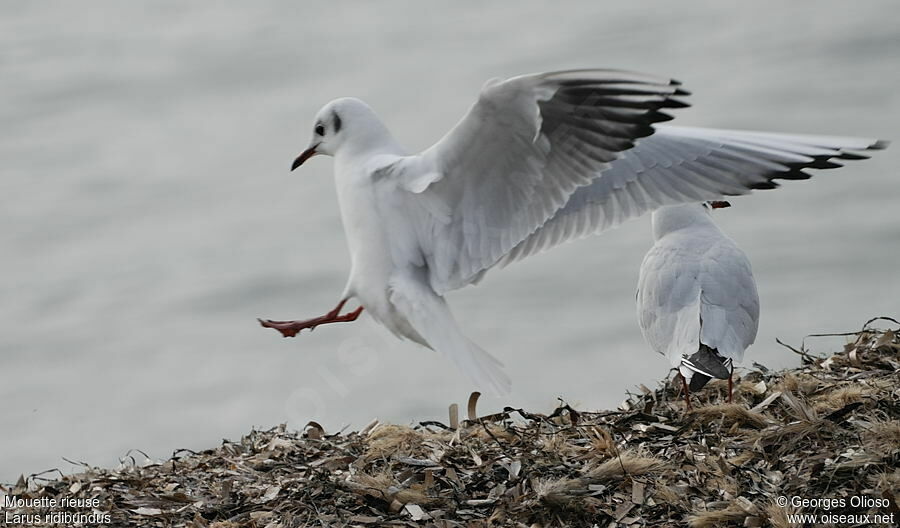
[148,216]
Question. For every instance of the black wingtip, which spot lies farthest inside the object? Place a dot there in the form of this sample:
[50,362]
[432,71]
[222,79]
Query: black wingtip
[853,156]
[759,186]
[660,117]
[698,381]
[707,362]
[674,103]
[823,164]
[856,154]
[795,174]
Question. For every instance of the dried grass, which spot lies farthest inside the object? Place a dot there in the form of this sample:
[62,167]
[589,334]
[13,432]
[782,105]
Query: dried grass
[798,382]
[712,519]
[838,398]
[777,516]
[881,436]
[730,414]
[389,440]
[828,428]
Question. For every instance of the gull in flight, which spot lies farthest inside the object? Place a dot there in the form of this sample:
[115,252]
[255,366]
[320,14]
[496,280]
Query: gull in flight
[538,160]
[696,298]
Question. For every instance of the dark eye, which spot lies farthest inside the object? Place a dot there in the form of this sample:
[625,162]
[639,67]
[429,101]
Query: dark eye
[320,129]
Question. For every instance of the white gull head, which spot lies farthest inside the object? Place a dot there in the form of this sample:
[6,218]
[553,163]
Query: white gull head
[343,126]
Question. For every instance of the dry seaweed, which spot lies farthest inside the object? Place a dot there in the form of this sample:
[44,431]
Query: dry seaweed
[830,428]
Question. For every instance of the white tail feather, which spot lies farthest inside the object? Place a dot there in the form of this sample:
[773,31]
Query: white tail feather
[482,368]
[430,316]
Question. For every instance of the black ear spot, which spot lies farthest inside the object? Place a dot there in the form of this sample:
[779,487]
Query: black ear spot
[337,122]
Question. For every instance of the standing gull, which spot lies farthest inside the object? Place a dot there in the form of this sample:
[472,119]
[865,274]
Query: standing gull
[696,299]
[539,159]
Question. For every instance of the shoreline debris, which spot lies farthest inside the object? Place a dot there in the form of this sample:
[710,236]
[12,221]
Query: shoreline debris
[828,429]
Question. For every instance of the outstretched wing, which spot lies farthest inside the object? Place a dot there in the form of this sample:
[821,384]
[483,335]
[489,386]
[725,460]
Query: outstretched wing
[685,164]
[514,160]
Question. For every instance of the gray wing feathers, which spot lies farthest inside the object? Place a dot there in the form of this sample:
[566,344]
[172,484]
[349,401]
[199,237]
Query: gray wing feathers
[684,164]
[729,301]
[668,302]
[516,157]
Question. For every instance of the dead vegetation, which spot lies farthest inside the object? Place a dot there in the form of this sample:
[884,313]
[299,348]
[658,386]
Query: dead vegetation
[830,428]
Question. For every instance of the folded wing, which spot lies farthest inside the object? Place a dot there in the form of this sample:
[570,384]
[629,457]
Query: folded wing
[729,303]
[668,301]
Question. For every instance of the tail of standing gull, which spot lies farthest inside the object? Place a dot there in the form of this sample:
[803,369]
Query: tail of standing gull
[430,316]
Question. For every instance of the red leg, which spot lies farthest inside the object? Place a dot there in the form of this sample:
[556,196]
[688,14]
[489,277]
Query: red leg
[687,392]
[730,384]
[292,328]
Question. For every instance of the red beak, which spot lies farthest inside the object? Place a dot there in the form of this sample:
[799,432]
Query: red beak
[719,204]
[308,153]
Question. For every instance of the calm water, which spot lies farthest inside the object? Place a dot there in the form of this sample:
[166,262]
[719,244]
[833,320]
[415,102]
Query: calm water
[149,217]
